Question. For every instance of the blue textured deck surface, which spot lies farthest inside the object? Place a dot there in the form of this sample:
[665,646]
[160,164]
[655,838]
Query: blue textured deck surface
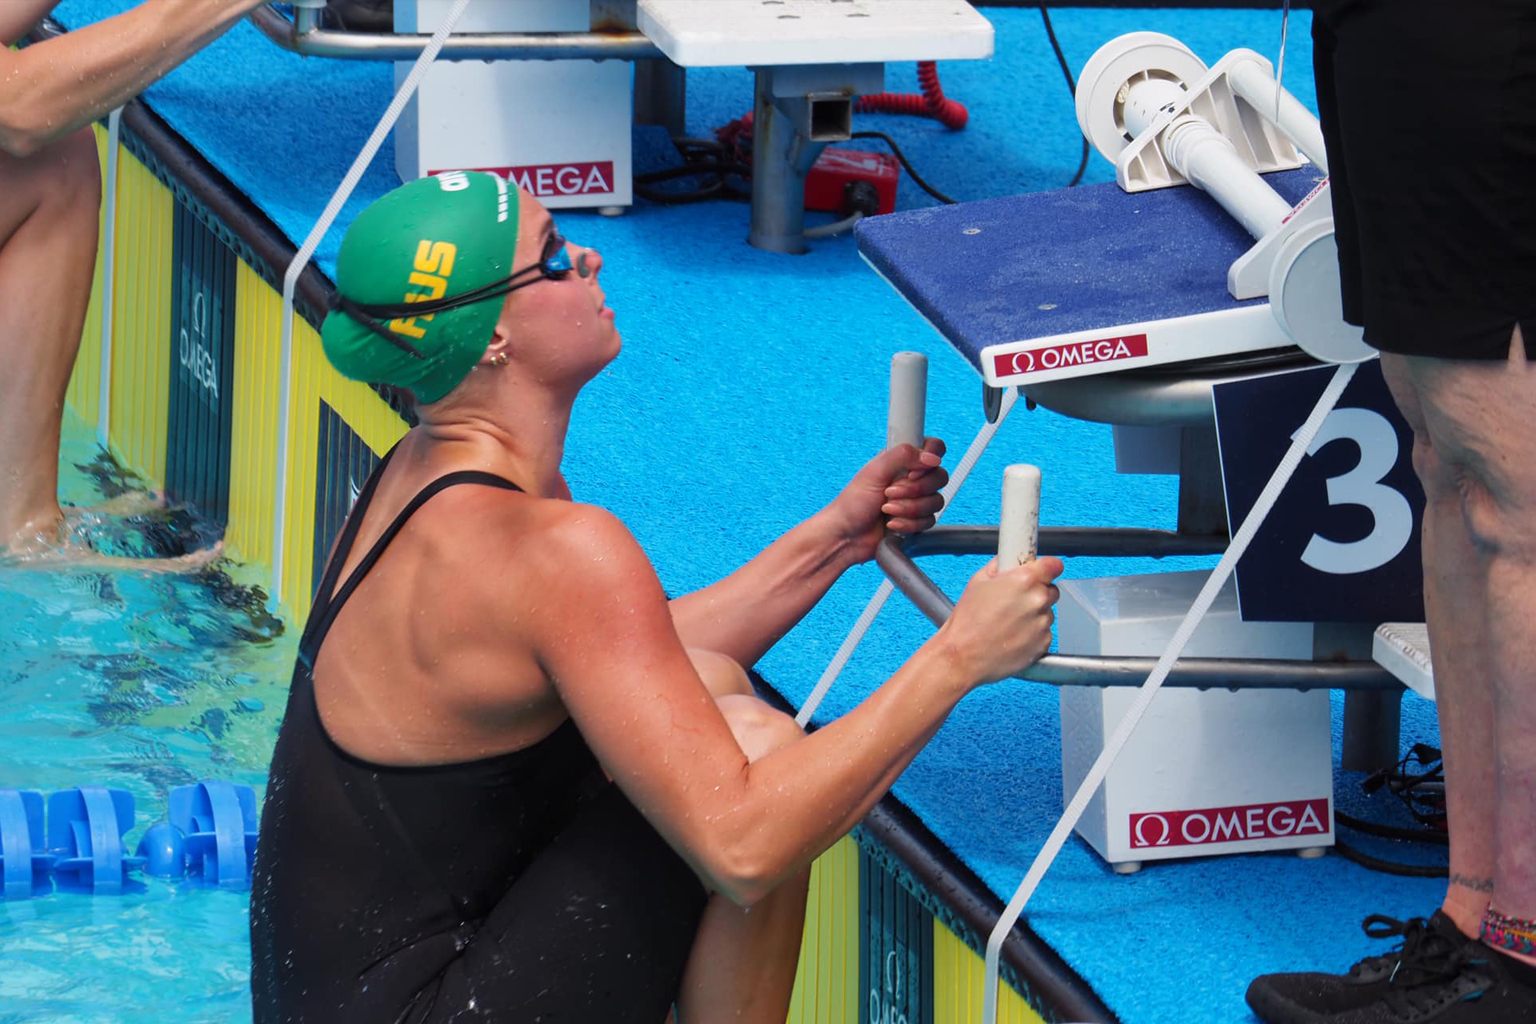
[752,384]
[1078,259]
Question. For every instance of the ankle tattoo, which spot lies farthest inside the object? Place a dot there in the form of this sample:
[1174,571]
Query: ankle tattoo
[1475,884]
[1518,935]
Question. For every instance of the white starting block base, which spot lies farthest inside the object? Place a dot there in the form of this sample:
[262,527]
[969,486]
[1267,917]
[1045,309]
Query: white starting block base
[755,33]
[1402,648]
[1206,772]
[559,129]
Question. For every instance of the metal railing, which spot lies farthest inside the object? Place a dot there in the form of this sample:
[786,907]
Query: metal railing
[894,557]
[305,35]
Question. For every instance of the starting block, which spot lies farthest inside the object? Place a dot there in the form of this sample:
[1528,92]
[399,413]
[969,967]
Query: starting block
[811,59]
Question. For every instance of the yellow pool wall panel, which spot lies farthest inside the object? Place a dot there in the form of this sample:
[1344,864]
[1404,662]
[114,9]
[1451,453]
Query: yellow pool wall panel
[253,451]
[314,380]
[827,979]
[84,394]
[958,977]
[141,320]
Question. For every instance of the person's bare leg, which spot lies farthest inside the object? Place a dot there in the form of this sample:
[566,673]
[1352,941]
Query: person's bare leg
[742,967]
[49,209]
[1454,585]
[1480,417]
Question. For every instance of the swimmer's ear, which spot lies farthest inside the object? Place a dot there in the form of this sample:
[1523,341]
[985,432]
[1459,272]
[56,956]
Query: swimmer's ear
[498,351]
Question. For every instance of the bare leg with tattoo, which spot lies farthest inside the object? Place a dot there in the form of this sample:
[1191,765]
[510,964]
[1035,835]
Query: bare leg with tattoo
[1473,422]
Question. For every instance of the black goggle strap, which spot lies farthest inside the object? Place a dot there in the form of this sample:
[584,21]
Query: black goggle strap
[361,313]
[370,315]
[426,307]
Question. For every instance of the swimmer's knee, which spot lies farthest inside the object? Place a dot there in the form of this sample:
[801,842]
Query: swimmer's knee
[758,728]
[73,174]
[721,673]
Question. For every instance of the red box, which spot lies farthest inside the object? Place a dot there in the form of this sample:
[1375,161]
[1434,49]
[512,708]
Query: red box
[836,167]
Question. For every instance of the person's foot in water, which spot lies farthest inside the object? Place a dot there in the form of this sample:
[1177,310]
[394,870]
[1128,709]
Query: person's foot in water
[134,530]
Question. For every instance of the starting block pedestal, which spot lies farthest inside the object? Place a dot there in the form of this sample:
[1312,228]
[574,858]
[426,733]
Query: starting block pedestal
[1208,771]
[558,128]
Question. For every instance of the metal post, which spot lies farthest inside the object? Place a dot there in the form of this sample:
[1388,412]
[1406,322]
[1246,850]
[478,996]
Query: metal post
[1373,722]
[781,155]
[1202,502]
[661,95]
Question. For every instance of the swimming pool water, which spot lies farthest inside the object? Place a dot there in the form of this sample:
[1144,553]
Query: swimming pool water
[142,682]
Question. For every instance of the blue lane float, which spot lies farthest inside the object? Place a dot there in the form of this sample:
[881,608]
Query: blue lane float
[86,827]
[24,859]
[217,821]
[210,838]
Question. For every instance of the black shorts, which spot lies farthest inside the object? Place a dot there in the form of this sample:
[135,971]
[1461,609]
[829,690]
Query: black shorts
[1428,111]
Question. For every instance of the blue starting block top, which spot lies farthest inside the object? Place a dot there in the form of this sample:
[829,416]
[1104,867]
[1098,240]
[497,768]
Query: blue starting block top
[1048,264]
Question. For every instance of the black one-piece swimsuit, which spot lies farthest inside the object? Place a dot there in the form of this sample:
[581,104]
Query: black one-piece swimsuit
[521,887]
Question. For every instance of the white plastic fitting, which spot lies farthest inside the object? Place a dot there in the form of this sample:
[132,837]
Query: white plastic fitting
[1018,534]
[909,400]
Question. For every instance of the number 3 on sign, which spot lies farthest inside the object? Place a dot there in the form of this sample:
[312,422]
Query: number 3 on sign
[1377,443]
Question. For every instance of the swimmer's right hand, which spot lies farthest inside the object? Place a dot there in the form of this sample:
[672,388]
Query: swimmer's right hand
[1002,623]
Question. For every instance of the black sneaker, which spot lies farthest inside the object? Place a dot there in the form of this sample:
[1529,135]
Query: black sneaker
[1312,997]
[1476,985]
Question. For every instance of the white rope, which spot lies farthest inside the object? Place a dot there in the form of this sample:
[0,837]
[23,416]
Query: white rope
[872,609]
[301,259]
[1285,22]
[108,266]
[1245,533]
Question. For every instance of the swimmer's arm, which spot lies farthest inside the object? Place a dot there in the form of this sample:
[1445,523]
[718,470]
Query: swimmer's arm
[750,610]
[58,85]
[604,635]
[747,612]
[18,17]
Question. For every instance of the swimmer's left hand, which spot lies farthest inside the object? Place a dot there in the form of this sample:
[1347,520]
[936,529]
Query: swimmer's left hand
[897,490]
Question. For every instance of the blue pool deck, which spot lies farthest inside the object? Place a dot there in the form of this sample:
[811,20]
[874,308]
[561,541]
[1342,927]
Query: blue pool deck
[752,384]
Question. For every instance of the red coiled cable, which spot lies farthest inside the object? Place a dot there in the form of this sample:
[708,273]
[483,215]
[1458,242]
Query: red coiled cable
[932,103]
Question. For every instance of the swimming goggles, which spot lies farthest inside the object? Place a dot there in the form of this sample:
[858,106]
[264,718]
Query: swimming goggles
[554,263]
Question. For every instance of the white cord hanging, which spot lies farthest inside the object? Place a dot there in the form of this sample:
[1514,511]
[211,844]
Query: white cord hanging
[1218,578]
[301,259]
[108,274]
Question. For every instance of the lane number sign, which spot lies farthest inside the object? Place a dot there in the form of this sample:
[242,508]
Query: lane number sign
[1342,543]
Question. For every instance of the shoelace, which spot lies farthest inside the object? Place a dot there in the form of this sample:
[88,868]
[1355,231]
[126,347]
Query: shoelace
[1424,955]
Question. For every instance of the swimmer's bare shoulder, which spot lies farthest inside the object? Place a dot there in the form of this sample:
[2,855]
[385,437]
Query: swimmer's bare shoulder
[551,564]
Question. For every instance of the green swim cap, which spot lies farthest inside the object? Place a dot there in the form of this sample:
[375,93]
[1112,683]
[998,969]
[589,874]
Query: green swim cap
[431,238]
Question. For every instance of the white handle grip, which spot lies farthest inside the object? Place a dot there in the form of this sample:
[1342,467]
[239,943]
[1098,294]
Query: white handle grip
[909,400]
[1018,534]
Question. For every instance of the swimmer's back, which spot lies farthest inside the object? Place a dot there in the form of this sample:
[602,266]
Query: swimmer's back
[387,891]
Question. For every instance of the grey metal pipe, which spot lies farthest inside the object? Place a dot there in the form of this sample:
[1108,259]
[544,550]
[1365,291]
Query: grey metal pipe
[781,157]
[1098,670]
[1066,541]
[320,42]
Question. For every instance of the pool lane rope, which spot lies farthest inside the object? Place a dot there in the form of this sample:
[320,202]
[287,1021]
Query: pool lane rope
[1300,442]
[883,592]
[301,259]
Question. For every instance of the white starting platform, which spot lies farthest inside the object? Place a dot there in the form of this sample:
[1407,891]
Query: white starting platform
[764,33]
[1402,648]
[812,59]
